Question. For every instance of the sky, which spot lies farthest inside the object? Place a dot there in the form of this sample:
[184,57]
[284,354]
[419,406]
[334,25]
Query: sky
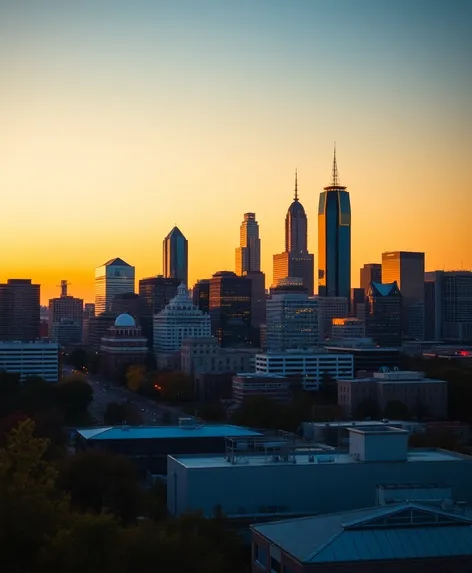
[119,120]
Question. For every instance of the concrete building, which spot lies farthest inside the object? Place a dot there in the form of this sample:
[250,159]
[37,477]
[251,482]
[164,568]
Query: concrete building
[122,346]
[179,320]
[31,359]
[414,537]
[291,322]
[261,479]
[126,303]
[345,328]
[422,396]
[357,303]
[19,310]
[370,273]
[112,278]
[155,293]
[330,307]
[204,355]
[201,295]
[272,386]
[66,315]
[308,366]
[368,356]
[96,327]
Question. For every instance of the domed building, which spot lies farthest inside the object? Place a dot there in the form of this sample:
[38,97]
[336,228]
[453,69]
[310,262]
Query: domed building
[179,320]
[123,345]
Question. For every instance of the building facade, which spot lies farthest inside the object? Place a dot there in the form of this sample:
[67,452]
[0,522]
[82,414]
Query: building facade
[370,272]
[330,307]
[155,293]
[19,310]
[383,314]
[248,254]
[250,385]
[342,328]
[175,256]
[65,318]
[30,359]
[114,277]
[334,239]
[201,295]
[368,357]
[203,355]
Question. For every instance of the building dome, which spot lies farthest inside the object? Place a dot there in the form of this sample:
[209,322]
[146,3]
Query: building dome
[125,321]
[296,210]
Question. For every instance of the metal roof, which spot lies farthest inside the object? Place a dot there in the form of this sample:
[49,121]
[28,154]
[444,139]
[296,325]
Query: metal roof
[162,432]
[403,531]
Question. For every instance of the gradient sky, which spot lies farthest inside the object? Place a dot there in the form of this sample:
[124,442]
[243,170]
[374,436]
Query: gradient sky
[119,119]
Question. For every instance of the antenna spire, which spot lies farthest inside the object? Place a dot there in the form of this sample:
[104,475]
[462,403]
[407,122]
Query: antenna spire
[296,186]
[334,175]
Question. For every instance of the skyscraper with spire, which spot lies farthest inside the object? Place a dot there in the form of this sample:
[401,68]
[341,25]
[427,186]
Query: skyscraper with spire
[295,261]
[175,256]
[248,254]
[334,238]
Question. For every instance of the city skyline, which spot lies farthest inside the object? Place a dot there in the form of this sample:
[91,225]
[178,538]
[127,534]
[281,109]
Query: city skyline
[170,115]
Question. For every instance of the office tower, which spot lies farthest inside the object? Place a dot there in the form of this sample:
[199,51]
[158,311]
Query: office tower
[230,309]
[126,303]
[370,273]
[448,306]
[154,294]
[66,315]
[258,298]
[292,322]
[407,270]
[330,307]
[384,314]
[288,284]
[112,278]
[19,310]
[89,309]
[295,261]
[201,295]
[334,239]
[248,254]
[357,303]
[175,256]
[180,320]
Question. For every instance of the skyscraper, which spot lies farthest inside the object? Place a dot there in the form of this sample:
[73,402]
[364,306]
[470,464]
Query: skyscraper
[407,270]
[112,278]
[370,273]
[201,295]
[66,317]
[295,261]
[19,310]
[154,294]
[384,314]
[334,239]
[175,256]
[248,254]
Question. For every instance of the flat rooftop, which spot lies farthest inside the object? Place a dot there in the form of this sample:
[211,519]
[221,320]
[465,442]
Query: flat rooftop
[363,423]
[197,461]
[166,432]
[376,380]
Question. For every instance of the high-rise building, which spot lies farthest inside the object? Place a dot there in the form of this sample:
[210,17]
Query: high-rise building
[384,314]
[28,359]
[19,310]
[330,307]
[248,254]
[112,278]
[357,303]
[66,315]
[370,273]
[175,256]
[155,293]
[230,309]
[295,261]
[292,322]
[126,303]
[201,295]
[334,239]
[258,298]
[448,306]
[407,270]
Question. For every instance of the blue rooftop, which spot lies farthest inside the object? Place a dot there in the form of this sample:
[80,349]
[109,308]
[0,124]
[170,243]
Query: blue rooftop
[163,432]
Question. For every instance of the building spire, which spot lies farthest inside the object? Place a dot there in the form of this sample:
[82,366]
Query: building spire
[296,186]
[334,175]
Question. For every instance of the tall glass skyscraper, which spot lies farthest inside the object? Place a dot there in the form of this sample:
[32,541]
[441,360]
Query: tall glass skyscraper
[334,239]
[175,256]
[248,254]
[112,278]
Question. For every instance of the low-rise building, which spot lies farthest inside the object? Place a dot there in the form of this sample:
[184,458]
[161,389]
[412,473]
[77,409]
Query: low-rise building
[273,386]
[205,356]
[347,328]
[422,396]
[31,359]
[304,481]
[367,356]
[308,365]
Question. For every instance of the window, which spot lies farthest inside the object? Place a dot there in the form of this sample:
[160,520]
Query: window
[275,566]
[260,556]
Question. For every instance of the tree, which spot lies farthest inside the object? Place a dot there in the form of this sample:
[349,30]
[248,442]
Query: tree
[367,409]
[259,412]
[135,377]
[175,386]
[78,358]
[117,413]
[212,412]
[328,389]
[396,410]
[99,481]
[74,395]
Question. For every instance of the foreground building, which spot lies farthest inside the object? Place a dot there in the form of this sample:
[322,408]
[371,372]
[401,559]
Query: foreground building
[31,359]
[260,479]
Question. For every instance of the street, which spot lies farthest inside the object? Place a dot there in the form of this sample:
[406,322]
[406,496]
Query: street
[105,393]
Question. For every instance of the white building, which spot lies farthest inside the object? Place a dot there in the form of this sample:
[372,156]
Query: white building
[310,365]
[112,278]
[291,321]
[273,480]
[179,320]
[31,359]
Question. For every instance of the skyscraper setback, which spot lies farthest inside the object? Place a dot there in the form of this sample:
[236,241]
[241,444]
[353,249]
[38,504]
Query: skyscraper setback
[334,239]
[248,254]
[175,256]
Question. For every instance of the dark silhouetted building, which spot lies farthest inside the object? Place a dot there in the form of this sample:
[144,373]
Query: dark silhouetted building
[295,261]
[357,303]
[155,293]
[248,254]
[19,310]
[384,314]
[230,309]
[201,295]
[334,239]
[66,315]
[96,327]
[175,256]
[126,303]
[114,277]
[407,270]
[370,273]
[258,299]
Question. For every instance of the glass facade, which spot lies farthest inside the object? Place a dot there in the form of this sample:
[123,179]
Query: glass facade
[175,256]
[384,314]
[334,242]
[112,278]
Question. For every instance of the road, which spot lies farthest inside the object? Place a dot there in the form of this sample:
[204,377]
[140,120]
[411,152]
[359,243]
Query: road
[105,393]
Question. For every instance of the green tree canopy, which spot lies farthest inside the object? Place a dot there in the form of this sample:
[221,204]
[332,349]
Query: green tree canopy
[118,413]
